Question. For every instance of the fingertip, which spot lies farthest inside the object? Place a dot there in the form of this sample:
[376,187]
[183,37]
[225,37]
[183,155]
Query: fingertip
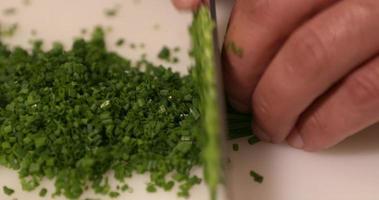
[186,4]
[260,133]
[295,140]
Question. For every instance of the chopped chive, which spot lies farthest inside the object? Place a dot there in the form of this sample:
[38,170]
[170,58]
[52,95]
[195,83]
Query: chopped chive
[120,42]
[253,140]
[43,192]
[114,194]
[151,188]
[257,177]
[8,191]
[232,47]
[164,54]
[235,147]
[9,11]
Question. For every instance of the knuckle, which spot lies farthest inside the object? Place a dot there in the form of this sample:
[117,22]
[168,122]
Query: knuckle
[260,13]
[258,6]
[363,87]
[315,132]
[309,49]
[363,7]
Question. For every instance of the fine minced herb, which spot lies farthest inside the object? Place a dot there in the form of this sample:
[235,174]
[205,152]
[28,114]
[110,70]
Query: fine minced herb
[43,192]
[112,12]
[8,191]
[83,31]
[165,54]
[120,42]
[132,45]
[9,11]
[8,30]
[232,47]
[257,177]
[176,49]
[151,188]
[114,194]
[33,32]
[253,140]
[175,60]
[236,147]
[72,116]
[124,187]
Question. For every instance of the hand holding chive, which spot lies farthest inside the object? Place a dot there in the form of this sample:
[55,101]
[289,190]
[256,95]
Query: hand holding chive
[309,70]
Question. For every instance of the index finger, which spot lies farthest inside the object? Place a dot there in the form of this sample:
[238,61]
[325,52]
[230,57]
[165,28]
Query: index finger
[187,4]
[256,31]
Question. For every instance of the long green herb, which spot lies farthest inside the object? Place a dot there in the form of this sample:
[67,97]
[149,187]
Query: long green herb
[205,78]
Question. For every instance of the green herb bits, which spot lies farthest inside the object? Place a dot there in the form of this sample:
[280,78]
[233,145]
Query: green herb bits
[74,115]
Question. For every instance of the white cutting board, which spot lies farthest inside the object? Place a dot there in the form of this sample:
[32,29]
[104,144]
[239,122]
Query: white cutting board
[346,172]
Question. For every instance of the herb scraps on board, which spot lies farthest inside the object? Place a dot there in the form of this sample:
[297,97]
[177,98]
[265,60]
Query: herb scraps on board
[74,115]
[236,50]
[9,11]
[112,12]
[8,191]
[253,140]
[43,192]
[167,54]
[257,177]
[120,42]
[236,147]
[8,30]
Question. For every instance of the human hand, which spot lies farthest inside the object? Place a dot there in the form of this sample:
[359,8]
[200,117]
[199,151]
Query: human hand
[188,4]
[309,70]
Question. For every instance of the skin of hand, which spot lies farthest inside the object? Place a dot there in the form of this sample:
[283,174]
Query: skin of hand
[309,70]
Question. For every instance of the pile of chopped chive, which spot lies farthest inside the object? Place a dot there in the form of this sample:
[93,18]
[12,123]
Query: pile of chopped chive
[74,115]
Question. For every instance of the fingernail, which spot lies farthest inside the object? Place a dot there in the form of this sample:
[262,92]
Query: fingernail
[261,134]
[295,140]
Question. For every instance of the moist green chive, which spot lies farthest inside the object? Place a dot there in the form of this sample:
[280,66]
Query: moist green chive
[124,187]
[235,147]
[257,177]
[151,188]
[236,50]
[8,30]
[8,191]
[9,11]
[114,194]
[253,140]
[164,54]
[82,112]
[43,192]
[120,42]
